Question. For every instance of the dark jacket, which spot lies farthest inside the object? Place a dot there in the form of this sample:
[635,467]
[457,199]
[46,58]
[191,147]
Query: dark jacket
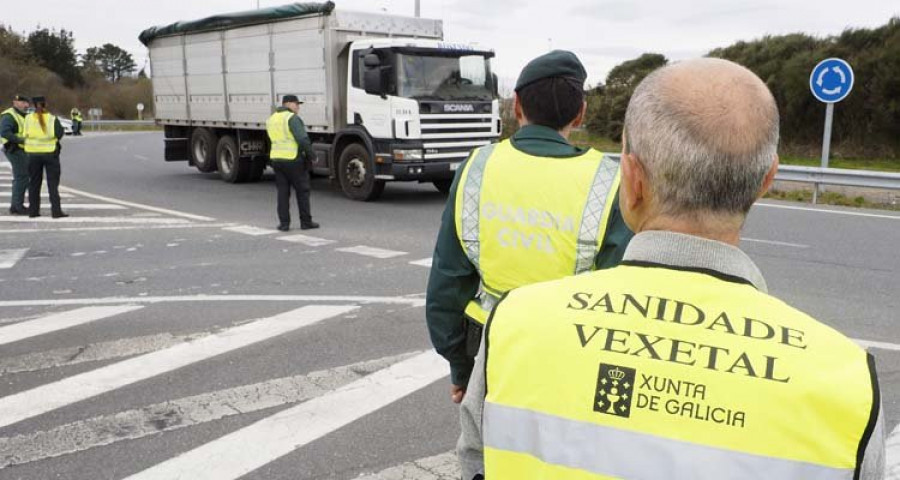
[9,130]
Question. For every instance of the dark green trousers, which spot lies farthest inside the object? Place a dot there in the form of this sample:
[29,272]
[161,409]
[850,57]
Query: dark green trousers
[19,161]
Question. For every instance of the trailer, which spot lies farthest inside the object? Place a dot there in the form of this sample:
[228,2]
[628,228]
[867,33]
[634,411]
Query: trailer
[384,97]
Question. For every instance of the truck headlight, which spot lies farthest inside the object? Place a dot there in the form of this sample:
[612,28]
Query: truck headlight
[408,155]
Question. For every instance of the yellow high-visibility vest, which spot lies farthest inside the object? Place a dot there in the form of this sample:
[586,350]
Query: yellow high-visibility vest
[524,219]
[76,115]
[38,140]
[20,121]
[644,371]
[284,145]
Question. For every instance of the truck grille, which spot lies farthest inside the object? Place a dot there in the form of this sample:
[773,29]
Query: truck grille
[450,137]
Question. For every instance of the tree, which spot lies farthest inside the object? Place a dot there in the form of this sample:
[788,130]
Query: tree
[55,51]
[607,103]
[110,60]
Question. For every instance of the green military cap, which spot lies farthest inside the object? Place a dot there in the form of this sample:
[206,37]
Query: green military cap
[21,98]
[558,63]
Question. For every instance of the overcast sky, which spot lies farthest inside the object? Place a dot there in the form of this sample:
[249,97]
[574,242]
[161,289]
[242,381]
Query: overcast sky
[602,32]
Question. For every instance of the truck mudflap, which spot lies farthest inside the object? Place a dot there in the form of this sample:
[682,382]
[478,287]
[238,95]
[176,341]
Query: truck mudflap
[177,150]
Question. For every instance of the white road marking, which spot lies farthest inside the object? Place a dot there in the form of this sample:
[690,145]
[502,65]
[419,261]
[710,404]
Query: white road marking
[822,210]
[425,262]
[44,194]
[250,230]
[249,448]
[141,157]
[439,467]
[9,258]
[75,219]
[49,397]
[892,455]
[117,228]
[91,206]
[773,242]
[307,240]
[879,345]
[372,252]
[411,301]
[149,208]
[60,321]
[181,413]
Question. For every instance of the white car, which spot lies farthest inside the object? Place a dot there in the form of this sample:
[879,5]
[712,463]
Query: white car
[66,124]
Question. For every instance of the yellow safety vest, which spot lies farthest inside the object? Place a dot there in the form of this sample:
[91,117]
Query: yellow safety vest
[38,140]
[523,219]
[646,372]
[76,115]
[20,121]
[284,145]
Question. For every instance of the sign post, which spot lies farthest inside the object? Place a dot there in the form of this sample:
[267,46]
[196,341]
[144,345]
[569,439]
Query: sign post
[830,82]
[140,109]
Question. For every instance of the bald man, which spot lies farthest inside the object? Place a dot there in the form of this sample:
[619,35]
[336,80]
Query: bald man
[677,364]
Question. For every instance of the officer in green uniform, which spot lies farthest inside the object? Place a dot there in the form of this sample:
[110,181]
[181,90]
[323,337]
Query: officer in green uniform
[77,121]
[291,155]
[12,136]
[526,177]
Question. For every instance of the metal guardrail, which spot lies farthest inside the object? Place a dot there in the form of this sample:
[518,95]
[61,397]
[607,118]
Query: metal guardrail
[839,176]
[100,123]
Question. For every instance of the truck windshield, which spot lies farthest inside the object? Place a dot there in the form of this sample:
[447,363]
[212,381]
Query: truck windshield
[427,77]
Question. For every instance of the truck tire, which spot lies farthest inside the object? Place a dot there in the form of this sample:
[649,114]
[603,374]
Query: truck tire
[257,168]
[356,173]
[443,186]
[203,150]
[232,168]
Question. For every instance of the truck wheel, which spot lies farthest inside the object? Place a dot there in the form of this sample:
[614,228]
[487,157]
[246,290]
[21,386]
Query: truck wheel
[257,168]
[232,168]
[443,186]
[357,174]
[203,150]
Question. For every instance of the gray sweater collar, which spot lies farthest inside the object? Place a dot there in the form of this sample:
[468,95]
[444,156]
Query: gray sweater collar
[687,251]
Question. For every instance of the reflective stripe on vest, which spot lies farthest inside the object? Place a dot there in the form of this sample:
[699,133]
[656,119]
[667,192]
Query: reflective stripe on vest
[284,145]
[649,372]
[20,122]
[532,218]
[38,140]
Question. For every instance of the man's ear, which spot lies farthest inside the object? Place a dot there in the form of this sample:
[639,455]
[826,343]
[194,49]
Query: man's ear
[579,120]
[517,107]
[769,178]
[633,181]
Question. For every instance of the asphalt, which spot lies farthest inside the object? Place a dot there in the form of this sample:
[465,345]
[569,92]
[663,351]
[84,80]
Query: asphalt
[195,276]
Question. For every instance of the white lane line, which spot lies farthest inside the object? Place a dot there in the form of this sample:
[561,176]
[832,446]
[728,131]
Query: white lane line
[372,252]
[118,228]
[9,258]
[821,210]
[773,242]
[73,219]
[410,301]
[879,345]
[67,356]
[49,397]
[425,262]
[306,240]
[5,194]
[141,206]
[439,467]
[181,413]
[60,321]
[90,206]
[141,157]
[249,448]
[250,230]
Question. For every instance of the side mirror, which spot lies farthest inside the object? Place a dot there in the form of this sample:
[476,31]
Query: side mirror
[495,85]
[377,80]
[371,60]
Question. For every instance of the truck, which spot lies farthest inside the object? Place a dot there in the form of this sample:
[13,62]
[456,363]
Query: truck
[385,98]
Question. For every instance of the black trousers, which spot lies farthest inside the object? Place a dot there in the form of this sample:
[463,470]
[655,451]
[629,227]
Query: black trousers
[37,163]
[287,175]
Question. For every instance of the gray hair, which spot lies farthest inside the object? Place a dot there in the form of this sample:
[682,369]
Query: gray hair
[706,134]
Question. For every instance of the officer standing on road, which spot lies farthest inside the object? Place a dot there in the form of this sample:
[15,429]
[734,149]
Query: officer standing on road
[77,120]
[677,363]
[529,209]
[42,134]
[291,156]
[12,137]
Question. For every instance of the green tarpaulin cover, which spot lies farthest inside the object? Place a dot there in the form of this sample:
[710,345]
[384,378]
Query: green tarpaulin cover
[237,19]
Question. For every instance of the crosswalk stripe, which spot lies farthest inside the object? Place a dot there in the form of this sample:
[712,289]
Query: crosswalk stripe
[46,398]
[128,220]
[249,448]
[90,206]
[9,258]
[60,321]
[372,252]
[149,208]
[306,240]
[181,413]
[425,262]
[6,194]
[250,230]
[439,467]
[879,345]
